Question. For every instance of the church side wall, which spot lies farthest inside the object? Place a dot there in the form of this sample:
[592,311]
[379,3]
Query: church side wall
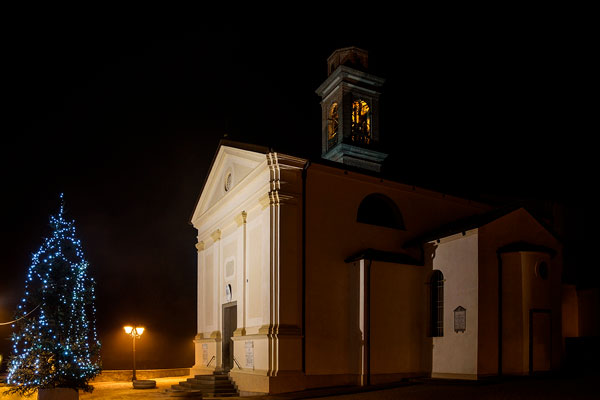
[492,237]
[400,345]
[455,353]
[333,195]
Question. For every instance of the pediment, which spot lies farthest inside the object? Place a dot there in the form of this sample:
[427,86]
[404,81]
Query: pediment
[230,167]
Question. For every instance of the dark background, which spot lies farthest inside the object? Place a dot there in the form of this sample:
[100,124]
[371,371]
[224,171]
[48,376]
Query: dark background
[123,113]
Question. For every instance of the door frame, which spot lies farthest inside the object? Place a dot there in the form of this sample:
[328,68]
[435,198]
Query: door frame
[225,340]
[531,312]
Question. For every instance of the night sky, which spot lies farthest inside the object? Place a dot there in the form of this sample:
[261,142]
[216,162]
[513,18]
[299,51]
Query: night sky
[124,116]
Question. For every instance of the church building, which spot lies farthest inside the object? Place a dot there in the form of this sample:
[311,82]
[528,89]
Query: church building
[315,273]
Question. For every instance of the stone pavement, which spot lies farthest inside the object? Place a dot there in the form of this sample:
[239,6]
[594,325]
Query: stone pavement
[119,391]
[574,387]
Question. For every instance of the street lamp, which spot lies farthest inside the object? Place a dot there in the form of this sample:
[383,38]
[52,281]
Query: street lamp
[135,332]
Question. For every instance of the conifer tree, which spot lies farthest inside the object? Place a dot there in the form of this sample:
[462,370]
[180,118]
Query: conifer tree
[57,344]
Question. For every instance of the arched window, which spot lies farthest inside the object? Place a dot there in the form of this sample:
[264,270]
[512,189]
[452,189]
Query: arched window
[437,303]
[361,122]
[378,209]
[333,122]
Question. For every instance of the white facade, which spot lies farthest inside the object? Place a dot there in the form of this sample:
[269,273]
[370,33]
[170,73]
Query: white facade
[238,218]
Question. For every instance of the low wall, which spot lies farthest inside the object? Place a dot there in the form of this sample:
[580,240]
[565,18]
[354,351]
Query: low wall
[123,375]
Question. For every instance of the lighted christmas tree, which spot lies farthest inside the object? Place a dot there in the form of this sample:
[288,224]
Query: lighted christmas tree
[57,344]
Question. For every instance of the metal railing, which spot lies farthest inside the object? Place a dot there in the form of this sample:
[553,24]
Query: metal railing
[236,363]
[213,357]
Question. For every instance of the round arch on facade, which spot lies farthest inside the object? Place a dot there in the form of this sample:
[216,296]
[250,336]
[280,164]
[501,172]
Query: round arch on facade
[378,209]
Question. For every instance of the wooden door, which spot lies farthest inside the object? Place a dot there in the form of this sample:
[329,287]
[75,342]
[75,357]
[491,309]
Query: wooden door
[229,326]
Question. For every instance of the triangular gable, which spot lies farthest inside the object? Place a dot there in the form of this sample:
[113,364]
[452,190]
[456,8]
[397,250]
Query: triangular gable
[523,223]
[476,221]
[231,161]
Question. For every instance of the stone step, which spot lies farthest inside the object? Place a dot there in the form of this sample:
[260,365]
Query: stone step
[212,377]
[203,382]
[200,394]
[219,394]
[190,394]
[204,385]
[210,382]
[207,388]
[178,388]
[216,385]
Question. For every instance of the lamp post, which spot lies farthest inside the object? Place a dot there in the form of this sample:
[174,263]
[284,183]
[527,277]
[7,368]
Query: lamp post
[135,332]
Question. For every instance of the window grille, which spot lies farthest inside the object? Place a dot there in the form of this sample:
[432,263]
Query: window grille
[437,304]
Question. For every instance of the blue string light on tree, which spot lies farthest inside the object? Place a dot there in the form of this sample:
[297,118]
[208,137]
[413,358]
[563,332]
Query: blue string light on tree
[56,346]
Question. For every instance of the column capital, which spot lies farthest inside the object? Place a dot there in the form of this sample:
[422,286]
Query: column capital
[200,246]
[264,200]
[240,219]
[216,235]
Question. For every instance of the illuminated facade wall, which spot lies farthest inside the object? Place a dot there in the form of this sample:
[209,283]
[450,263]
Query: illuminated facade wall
[249,257]
[275,239]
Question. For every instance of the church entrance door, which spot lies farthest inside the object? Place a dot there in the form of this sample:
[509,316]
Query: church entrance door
[229,326]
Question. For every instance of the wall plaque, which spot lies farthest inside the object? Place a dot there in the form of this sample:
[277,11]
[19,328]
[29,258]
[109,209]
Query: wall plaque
[204,352]
[250,354]
[460,319]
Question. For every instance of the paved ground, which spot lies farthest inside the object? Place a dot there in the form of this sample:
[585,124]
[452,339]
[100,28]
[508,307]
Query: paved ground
[516,388]
[120,391]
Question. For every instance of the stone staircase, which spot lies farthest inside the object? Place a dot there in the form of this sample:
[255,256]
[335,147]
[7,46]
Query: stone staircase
[216,385]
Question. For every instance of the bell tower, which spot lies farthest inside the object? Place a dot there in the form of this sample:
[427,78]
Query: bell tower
[350,111]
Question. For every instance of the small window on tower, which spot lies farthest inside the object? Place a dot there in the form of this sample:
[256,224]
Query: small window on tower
[361,122]
[333,123]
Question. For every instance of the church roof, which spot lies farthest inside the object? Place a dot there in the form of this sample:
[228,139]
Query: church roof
[385,256]
[472,222]
[525,246]
[312,159]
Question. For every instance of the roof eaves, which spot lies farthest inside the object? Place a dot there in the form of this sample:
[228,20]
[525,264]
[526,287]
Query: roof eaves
[385,256]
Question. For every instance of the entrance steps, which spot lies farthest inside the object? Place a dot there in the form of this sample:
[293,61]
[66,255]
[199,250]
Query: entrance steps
[216,385]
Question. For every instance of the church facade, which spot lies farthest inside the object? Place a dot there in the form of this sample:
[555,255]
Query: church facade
[322,273]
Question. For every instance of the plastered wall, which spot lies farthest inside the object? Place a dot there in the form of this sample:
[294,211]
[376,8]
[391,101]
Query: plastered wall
[516,227]
[332,235]
[455,353]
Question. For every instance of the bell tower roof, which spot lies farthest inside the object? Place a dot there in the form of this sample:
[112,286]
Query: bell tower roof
[352,57]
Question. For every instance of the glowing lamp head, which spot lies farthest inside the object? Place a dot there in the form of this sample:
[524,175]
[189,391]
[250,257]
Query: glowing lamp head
[128,329]
[139,330]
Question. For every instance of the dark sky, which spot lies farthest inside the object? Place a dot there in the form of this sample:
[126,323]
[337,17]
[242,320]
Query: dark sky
[124,116]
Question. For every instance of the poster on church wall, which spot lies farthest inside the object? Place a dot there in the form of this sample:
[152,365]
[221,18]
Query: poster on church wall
[204,352]
[460,319]
[250,354]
